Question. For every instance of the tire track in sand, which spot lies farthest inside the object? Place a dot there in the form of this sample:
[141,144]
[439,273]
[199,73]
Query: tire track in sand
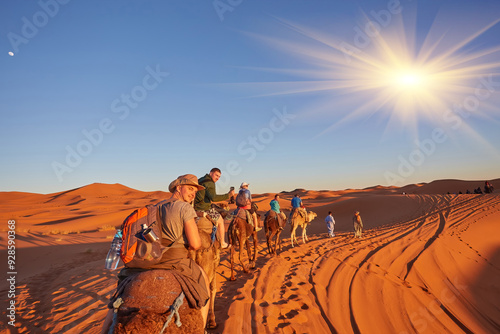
[391,278]
[383,275]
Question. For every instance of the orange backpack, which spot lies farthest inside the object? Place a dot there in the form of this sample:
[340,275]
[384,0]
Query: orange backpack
[141,239]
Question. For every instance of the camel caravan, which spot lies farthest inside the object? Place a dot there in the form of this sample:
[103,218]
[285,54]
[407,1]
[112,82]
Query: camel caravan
[171,251]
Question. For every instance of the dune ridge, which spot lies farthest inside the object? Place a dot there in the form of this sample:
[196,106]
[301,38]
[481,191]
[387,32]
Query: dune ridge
[428,262]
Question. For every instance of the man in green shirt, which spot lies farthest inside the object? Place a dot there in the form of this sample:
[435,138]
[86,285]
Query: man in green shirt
[205,198]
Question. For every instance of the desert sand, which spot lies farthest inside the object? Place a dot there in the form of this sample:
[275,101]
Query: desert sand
[428,262]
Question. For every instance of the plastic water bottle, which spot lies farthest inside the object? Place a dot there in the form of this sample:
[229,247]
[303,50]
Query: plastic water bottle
[114,252]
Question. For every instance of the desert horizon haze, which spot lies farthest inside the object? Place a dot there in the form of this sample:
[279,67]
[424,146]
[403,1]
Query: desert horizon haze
[428,261]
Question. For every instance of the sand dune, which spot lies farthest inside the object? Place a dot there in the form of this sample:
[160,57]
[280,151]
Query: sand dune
[428,262]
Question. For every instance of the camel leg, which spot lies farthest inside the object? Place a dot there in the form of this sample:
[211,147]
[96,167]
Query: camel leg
[232,241]
[292,234]
[278,238]
[232,260]
[254,257]
[275,248]
[270,247]
[269,240]
[205,309]
[242,245]
[268,237]
[211,314]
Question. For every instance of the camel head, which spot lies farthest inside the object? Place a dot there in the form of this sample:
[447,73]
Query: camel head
[311,215]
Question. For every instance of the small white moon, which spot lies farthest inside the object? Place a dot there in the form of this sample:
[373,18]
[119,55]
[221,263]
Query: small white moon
[11,53]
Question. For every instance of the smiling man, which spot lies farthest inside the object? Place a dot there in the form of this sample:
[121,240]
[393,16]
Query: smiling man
[205,198]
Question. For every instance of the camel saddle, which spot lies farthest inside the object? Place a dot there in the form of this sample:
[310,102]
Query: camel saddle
[244,214]
[281,221]
[298,211]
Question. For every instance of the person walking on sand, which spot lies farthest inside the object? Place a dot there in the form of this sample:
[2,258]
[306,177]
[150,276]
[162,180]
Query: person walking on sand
[358,224]
[330,224]
[204,199]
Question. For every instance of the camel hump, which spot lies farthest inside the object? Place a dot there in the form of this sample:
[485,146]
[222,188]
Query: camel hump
[146,305]
[205,225]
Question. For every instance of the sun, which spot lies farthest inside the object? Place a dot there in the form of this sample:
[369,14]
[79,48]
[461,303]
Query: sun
[407,83]
[389,75]
[409,79]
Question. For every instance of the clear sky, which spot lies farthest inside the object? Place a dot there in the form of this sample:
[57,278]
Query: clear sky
[280,94]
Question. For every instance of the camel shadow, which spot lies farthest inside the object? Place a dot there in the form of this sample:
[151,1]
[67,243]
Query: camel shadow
[65,297]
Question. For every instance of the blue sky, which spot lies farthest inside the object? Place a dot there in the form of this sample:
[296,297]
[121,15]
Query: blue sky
[281,94]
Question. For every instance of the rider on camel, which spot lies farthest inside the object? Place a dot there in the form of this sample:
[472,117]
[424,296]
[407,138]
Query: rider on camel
[298,206]
[244,201]
[275,207]
[207,196]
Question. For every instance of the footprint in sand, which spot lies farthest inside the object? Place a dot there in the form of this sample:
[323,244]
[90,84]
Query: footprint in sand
[291,314]
[284,324]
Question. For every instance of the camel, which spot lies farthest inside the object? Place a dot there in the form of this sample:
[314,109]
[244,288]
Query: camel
[272,229]
[297,220]
[208,258]
[239,232]
[149,314]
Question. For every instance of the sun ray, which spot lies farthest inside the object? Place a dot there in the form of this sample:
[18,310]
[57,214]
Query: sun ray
[448,53]
[391,77]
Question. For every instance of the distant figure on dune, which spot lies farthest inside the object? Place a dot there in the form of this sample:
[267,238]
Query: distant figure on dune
[330,224]
[358,224]
[488,188]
